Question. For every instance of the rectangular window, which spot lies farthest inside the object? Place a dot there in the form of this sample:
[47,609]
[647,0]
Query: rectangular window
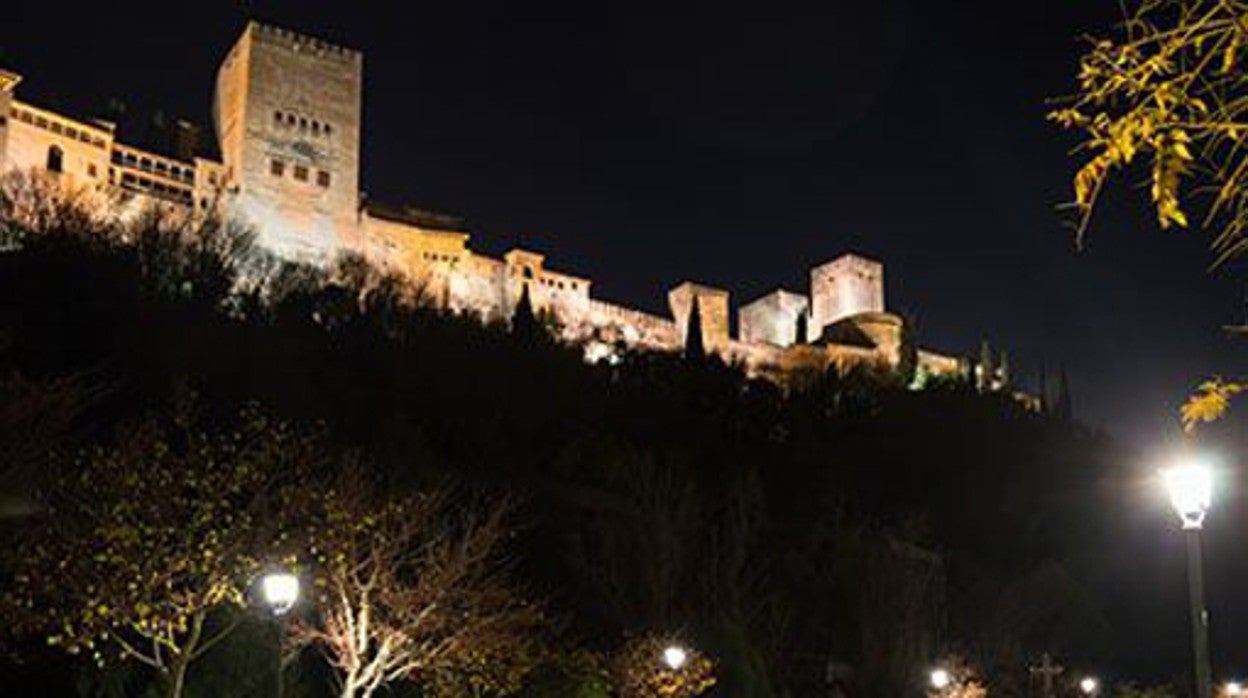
[91,171]
[301,173]
[277,168]
[322,178]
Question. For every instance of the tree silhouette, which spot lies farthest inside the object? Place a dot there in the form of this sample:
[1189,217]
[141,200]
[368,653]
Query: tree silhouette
[525,326]
[1063,403]
[149,540]
[908,357]
[695,349]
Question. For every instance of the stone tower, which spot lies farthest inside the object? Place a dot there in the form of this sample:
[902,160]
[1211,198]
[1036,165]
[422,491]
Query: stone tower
[287,116]
[848,285]
[712,306]
[8,83]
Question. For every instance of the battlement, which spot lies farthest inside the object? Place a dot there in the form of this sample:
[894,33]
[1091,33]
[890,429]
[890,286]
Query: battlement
[9,80]
[287,115]
[295,41]
[848,285]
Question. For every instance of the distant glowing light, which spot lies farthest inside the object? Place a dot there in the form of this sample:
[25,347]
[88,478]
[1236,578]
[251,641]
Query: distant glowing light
[1089,685]
[675,657]
[940,679]
[1234,689]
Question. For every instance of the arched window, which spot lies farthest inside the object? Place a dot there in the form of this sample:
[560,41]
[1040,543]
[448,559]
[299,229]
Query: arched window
[56,159]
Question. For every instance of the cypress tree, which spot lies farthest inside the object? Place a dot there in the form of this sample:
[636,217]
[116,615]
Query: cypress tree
[1046,401]
[1064,405]
[524,325]
[695,349]
[908,353]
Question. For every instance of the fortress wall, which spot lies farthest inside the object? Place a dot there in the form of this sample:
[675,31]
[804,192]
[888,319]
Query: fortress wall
[772,319]
[848,285]
[287,116]
[288,108]
[8,83]
[32,133]
[633,326]
[939,364]
[712,307]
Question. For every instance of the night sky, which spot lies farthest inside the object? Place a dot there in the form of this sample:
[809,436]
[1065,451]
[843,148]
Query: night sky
[738,144]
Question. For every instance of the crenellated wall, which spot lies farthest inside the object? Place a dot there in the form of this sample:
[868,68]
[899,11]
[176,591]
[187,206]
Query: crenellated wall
[287,117]
[287,109]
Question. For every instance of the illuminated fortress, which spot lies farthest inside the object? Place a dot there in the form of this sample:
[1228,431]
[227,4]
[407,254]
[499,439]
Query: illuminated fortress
[286,113]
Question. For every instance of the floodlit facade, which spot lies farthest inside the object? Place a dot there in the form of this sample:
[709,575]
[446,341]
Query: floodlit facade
[287,121]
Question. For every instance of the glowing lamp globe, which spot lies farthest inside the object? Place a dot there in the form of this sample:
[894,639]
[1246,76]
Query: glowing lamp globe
[1088,685]
[1234,689]
[1191,492]
[940,679]
[675,657]
[280,591]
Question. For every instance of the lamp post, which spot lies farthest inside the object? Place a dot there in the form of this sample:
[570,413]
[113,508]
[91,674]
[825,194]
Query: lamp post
[1191,493]
[940,679]
[675,657]
[280,591]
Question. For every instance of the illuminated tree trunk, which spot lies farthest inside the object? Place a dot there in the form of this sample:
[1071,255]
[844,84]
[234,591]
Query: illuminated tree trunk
[176,676]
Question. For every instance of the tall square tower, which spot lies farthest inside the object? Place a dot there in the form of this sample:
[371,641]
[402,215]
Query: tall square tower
[287,116]
[712,308]
[848,285]
[8,83]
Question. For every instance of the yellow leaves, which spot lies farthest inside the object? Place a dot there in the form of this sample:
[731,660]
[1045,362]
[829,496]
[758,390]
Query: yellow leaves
[1088,180]
[1169,86]
[1210,402]
[1229,55]
[1170,163]
[1068,118]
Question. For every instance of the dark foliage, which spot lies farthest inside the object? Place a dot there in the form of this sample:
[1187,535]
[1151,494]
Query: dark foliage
[853,522]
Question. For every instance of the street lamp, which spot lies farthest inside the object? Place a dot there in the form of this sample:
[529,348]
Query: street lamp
[1191,494]
[280,590]
[1233,689]
[940,679]
[1088,686]
[675,657]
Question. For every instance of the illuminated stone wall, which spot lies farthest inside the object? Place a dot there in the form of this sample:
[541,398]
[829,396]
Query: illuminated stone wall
[712,306]
[287,118]
[287,109]
[8,83]
[38,139]
[847,285]
[773,318]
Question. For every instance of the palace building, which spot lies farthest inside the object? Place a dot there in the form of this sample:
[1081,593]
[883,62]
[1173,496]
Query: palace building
[286,112]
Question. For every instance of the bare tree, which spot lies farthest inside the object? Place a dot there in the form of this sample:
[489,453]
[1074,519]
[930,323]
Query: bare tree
[411,590]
